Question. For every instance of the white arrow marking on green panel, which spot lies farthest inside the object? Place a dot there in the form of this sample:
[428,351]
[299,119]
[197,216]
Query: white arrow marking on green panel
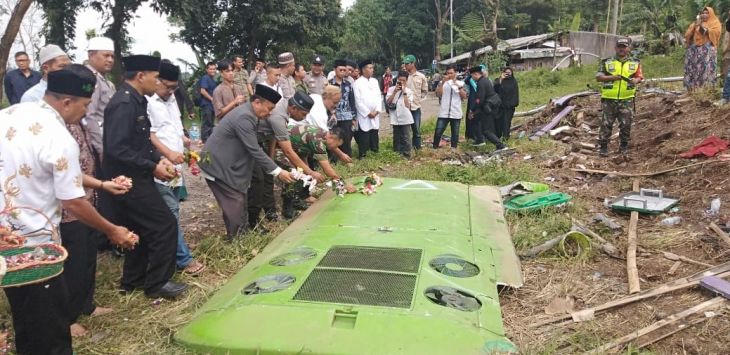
[416,185]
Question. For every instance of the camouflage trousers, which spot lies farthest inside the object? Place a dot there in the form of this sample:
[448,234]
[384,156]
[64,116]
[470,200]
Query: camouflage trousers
[613,110]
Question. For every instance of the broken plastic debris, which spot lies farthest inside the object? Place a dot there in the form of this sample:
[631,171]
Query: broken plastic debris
[714,210]
[583,316]
[671,221]
[561,305]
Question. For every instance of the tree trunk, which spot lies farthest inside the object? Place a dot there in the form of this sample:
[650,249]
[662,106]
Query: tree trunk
[16,17]
[439,28]
[494,20]
[115,33]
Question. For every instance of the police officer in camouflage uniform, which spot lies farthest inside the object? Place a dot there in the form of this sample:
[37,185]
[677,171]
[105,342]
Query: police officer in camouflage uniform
[619,75]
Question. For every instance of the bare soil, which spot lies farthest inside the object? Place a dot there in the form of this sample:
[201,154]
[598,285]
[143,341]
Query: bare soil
[665,125]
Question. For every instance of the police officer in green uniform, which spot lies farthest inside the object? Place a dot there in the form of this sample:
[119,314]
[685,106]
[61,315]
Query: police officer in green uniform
[128,151]
[619,75]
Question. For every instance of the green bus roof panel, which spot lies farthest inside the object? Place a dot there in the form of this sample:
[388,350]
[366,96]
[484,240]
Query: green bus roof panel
[336,282]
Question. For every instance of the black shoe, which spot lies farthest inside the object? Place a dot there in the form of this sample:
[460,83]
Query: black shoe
[300,205]
[624,149]
[169,290]
[253,219]
[287,209]
[272,216]
[603,151]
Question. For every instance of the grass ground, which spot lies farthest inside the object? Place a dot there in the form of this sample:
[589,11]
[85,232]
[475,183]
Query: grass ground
[141,326]
[537,87]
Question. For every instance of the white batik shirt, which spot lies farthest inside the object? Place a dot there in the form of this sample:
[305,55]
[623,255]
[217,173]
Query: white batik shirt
[39,167]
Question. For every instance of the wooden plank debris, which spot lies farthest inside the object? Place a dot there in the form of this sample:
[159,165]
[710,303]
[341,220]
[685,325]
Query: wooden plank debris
[632,269]
[720,233]
[722,270]
[648,174]
[673,319]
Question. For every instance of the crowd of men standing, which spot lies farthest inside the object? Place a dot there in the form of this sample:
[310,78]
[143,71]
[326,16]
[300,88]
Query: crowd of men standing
[111,159]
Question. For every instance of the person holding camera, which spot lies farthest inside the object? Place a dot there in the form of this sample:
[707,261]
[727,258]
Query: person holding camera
[509,92]
[702,39]
[451,92]
[398,101]
[484,111]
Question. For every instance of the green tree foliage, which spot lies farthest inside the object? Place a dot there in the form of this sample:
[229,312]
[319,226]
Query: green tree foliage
[218,29]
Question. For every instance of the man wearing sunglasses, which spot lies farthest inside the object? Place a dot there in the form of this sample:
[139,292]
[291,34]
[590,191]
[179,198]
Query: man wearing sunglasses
[168,137]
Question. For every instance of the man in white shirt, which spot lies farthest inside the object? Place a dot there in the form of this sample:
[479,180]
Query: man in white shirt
[273,74]
[369,104]
[168,137]
[52,58]
[451,92]
[322,113]
[398,100]
[41,169]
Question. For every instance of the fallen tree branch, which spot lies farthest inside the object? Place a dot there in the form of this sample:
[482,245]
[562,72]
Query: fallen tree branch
[722,270]
[625,174]
[675,257]
[605,246]
[539,249]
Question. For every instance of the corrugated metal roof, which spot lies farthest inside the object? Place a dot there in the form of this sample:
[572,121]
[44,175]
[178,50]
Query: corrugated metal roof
[507,45]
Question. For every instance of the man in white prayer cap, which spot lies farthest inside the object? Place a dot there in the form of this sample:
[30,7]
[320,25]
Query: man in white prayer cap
[101,61]
[52,58]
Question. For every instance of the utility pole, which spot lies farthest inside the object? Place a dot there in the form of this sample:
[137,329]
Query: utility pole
[614,17]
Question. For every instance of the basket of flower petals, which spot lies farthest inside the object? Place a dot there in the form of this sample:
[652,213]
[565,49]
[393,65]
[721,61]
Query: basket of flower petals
[22,264]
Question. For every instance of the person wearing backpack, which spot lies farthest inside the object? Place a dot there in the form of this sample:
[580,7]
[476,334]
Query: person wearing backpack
[484,111]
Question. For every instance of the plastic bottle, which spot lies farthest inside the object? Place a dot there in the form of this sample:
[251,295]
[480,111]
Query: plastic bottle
[671,221]
[715,207]
[194,132]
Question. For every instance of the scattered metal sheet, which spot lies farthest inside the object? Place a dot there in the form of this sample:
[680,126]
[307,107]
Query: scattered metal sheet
[646,201]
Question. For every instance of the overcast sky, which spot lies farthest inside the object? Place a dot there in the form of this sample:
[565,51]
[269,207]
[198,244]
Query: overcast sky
[149,30]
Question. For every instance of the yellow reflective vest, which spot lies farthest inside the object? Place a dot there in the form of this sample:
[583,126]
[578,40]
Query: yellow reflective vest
[619,89]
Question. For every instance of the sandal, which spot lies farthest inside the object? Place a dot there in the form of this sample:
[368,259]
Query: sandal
[194,268]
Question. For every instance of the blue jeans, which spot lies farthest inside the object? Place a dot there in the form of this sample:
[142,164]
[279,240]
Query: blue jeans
[726,87]
[171,197]
[441,127]
[416,128]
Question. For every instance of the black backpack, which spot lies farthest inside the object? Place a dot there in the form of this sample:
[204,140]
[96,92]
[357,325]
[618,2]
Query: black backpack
[197,97]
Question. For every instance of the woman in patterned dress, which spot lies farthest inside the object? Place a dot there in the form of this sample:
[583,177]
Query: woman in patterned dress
[700,61]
